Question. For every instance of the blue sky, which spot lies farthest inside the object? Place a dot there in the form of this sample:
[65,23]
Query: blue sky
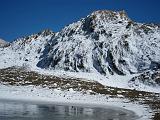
[24,17]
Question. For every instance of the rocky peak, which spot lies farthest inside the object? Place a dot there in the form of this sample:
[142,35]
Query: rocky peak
[108,15]
[99,20]
[46,32]
[33,37]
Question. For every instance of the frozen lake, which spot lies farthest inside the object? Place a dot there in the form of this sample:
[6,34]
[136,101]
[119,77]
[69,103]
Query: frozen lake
[14,110]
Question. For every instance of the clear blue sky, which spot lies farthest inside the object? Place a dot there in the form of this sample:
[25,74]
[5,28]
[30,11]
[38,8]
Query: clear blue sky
[24,17]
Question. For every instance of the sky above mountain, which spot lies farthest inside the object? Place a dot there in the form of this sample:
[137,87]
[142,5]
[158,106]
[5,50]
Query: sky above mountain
[23,17]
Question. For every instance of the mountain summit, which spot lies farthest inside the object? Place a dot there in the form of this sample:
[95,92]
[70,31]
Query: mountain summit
[109,15]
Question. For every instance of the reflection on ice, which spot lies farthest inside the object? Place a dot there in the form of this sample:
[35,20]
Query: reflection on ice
[25,111]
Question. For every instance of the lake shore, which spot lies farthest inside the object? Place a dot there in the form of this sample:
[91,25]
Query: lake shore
[39,95]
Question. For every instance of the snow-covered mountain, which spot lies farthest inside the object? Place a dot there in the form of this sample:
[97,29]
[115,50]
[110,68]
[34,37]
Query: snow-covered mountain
[104,42]
[25,51]
[3,43]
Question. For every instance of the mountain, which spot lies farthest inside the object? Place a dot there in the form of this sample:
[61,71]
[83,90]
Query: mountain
[105,42]
[3,43]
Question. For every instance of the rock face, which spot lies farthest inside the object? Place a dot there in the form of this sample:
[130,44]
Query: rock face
[104,42]
[150,78]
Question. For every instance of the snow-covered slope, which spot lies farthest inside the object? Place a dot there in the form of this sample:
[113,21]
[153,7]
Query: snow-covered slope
[25,51]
